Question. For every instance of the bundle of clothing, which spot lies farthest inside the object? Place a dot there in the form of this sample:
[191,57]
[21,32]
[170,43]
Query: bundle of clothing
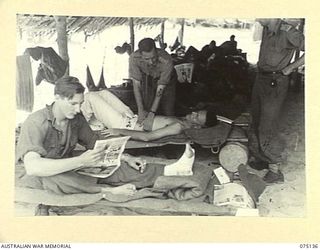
[51,68]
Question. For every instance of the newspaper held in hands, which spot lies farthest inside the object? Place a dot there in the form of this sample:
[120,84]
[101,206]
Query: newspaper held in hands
[114,148]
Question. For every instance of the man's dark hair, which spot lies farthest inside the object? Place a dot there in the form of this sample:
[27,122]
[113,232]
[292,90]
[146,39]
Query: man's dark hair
[146,45]
[68,86]
[211,118]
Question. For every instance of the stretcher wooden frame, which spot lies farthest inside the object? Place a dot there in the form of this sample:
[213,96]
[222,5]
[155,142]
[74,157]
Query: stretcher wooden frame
[131,144]
[141,144]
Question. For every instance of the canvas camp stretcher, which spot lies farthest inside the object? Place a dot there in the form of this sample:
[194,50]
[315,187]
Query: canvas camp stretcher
[212,138]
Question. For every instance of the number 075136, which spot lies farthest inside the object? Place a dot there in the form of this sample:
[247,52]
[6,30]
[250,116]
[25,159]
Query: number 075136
[308,246]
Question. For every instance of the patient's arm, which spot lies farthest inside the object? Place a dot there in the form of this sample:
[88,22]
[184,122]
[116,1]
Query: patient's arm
[172,129]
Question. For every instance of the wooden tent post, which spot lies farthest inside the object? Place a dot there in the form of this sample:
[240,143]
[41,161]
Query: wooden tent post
[181,32]
[62,38]
[131,24]
[162,32]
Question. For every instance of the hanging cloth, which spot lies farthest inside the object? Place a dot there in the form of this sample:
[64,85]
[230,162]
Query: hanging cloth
[101,83]
[24,84]
[51,68]
[90,82]
[175,45]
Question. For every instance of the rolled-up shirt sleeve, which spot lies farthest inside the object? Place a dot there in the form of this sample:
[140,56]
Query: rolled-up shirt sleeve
[30,140]
[134,71]
[87,137]
[166,72]
[296,38]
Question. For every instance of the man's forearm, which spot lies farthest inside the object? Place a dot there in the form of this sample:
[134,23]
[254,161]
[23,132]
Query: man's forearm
[39,166]
[157,98]
[172,129]
[137,94]
[134,134]
[296,64]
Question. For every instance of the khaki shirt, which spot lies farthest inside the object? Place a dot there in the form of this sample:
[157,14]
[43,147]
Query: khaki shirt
[162,70]
[39,134]
[277,49]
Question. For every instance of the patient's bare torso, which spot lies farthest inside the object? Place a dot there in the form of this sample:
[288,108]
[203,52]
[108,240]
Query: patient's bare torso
[163,121]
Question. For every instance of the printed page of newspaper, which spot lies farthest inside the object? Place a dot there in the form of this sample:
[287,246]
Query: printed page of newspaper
[114,148]
[232,194]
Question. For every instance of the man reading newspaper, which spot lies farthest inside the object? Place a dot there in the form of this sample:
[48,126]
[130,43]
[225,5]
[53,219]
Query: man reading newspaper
[111,161]
[47,142]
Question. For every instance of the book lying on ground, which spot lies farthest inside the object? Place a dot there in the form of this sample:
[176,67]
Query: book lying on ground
[232,194]
[114,148]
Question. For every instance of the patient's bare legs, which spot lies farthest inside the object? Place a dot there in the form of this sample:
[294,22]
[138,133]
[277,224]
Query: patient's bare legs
[106,108]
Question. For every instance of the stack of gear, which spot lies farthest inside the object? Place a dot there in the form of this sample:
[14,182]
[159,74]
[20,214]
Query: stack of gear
[221,78]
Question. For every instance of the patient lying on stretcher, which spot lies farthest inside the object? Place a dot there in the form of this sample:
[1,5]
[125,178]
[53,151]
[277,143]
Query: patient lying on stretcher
[105,112]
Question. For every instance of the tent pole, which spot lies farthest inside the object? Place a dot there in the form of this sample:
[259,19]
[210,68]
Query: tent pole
[131,33]
[181,32]
[162,32]
[62,38]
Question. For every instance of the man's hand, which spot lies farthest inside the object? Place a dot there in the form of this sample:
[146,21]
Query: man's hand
[92,157]
[137,163]
[148,122]
[109,132]
[128,113]
[287,70]
[142,114]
